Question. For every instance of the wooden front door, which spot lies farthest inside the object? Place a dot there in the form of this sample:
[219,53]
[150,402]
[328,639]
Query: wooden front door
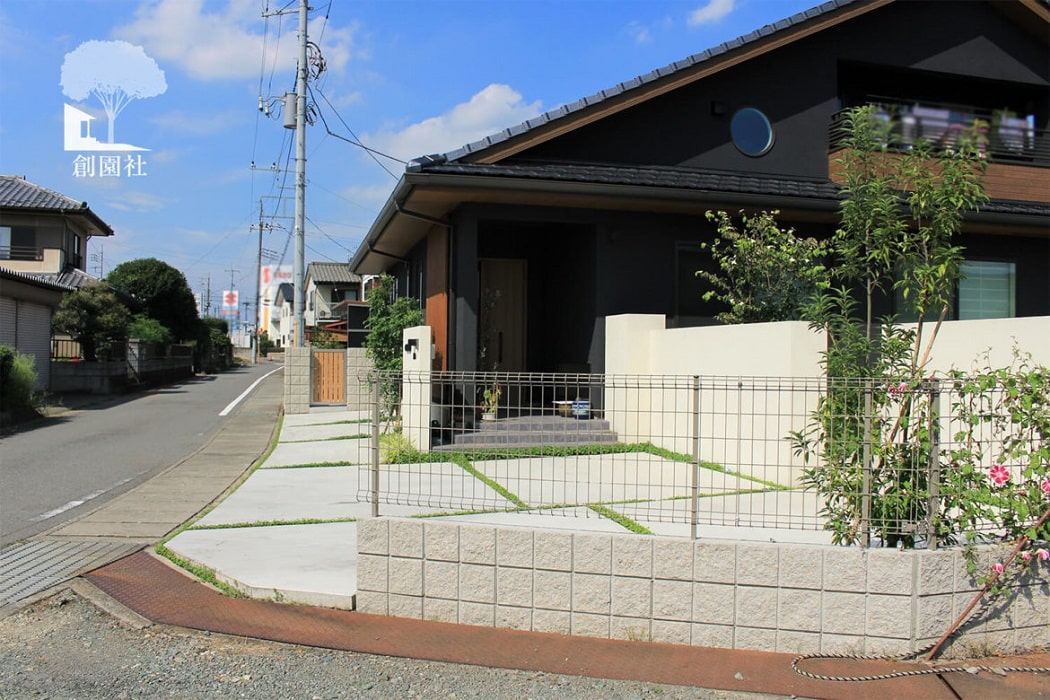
[328,377]
[502,315]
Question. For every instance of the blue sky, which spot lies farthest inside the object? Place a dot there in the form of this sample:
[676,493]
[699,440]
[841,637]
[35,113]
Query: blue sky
[407,77]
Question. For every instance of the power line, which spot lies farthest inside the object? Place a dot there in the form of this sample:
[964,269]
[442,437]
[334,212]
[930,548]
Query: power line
[357,141]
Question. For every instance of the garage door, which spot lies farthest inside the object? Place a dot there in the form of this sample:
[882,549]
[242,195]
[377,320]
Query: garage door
[27,326]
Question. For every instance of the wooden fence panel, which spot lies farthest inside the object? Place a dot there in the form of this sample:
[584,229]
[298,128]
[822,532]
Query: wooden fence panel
[329,377]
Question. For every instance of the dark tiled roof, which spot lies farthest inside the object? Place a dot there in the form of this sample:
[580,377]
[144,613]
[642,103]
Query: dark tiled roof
[18,193]
[284,291]
[70,279]
[649,176]
[331,273]
[658,74]
[712,181]
[36,280]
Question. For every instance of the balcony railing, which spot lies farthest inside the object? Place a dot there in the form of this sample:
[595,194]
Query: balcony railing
[1011,140]
[21,252]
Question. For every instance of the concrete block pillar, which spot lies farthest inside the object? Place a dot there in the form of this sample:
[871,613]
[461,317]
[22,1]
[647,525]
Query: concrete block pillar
[297,380]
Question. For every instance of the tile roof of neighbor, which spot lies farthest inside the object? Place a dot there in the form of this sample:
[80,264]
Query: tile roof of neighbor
[38,280]
[18,193]
[70,279]
[626,86]
[285,291]
[331,273]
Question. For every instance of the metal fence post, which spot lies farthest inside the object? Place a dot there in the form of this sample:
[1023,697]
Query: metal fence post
[375,446]
[865,497]
[933,509]
[694,488]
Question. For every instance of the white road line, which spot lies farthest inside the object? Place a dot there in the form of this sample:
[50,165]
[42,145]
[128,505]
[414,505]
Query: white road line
[233,404]
[73,504]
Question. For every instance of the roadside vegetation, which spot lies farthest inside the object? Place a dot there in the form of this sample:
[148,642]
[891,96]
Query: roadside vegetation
[17,377]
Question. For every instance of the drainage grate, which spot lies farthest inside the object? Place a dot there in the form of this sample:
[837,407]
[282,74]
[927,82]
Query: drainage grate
[37,566]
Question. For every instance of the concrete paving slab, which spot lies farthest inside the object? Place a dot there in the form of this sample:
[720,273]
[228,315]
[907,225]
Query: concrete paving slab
[577,519]
[438,486]
[325,493]
[609,478]
[322,414]
[318,563]
[325,431]
[325,452]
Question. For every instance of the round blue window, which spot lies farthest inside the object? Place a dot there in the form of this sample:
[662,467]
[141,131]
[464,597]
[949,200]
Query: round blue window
[751,131]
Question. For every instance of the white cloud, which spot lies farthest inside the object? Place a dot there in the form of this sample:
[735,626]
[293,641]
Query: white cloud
[710,13]
[495,108]
[640,33]
[227,43]
[137,201]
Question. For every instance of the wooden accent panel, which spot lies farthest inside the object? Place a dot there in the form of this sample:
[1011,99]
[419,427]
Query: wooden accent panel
[1021,183]
[328,376]
[437,292]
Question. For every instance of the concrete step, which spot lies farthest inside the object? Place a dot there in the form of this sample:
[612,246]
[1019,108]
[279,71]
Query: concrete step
[533,431]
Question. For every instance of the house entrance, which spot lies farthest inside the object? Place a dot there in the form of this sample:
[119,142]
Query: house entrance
[502,315]
[328,377]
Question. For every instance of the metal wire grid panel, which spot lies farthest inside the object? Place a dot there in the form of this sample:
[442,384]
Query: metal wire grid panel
[668,454]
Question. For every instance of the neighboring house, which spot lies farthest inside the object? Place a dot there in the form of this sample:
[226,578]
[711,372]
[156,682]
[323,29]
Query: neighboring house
[526,241]
[26,307]
[327,285]
[282,315]
[43,247]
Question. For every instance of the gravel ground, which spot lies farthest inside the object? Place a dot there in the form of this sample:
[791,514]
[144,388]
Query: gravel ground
[65,647]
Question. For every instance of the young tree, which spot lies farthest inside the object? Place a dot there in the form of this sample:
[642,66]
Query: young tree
[388,316]
[95,317]
[766,273]
[115,72]
[163,293]
[872,433]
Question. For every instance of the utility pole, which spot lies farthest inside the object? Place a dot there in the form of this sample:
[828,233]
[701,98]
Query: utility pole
[295,118]
[258,291]
[98,257]
[299,304]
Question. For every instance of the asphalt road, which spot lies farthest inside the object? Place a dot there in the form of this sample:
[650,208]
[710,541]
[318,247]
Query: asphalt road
[57,468]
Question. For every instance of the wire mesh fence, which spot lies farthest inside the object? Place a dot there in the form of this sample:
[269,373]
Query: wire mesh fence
[853,461]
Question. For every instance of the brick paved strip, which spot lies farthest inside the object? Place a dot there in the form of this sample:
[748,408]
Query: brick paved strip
[166,595]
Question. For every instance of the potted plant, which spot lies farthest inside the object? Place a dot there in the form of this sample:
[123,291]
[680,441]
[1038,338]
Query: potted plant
[490,402]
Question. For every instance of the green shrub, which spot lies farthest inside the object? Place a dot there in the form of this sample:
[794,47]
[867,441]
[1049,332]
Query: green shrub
[396,448]
[150,330]
[17,377]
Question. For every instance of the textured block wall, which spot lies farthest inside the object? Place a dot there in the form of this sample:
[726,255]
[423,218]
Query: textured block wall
[297,368]
[762,596]
[358,393]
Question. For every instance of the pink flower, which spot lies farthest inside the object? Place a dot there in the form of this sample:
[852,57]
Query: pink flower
[899,389]
[999,475]
[1042,554]
[1026,556]
[1045,486]
[998,567]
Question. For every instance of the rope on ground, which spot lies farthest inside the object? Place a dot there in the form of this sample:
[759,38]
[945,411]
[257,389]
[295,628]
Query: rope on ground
[999,670]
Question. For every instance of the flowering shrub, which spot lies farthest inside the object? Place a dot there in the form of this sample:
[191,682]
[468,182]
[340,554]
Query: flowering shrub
[1003,418]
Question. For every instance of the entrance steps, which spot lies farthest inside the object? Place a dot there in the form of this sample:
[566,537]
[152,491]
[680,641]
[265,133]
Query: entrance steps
[532,431]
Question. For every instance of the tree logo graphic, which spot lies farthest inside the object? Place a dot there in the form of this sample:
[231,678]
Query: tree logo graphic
[116,73]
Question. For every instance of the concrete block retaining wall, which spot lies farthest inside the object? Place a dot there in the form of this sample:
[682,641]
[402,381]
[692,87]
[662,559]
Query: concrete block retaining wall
[739,595]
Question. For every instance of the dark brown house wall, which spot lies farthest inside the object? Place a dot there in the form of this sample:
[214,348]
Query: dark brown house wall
[912,48]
